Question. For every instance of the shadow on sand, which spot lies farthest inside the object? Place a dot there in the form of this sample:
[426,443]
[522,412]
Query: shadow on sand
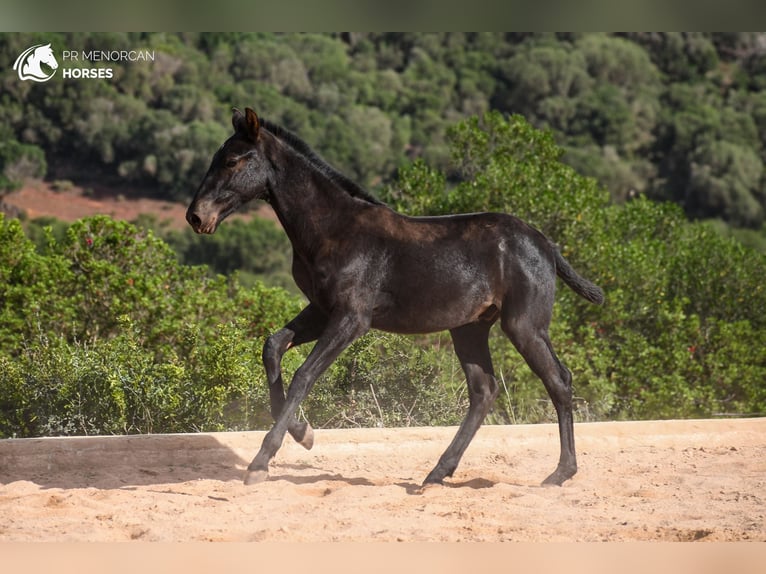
[475,483]
[118,461]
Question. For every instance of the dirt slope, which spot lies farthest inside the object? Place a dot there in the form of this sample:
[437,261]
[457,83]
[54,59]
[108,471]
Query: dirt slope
[671,480]
[40,199]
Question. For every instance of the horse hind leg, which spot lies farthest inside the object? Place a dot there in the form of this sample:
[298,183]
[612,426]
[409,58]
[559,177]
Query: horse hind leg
[534,344]
[472,348]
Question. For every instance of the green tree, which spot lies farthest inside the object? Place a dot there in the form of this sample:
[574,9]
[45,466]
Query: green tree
[684,56]
[543,81]
[257,250]
[711,158]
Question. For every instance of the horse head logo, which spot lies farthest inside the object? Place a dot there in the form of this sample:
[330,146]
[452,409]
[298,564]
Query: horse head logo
[28,64]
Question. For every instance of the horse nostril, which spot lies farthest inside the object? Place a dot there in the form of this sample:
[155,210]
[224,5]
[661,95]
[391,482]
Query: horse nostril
[193,220]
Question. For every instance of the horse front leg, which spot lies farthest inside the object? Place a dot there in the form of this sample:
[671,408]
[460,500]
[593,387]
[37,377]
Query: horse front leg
[307,326]
[339,333]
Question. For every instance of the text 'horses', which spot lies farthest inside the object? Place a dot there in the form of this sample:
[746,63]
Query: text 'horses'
[362,265]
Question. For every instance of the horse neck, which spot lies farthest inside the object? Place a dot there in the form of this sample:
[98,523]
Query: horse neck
[310,207]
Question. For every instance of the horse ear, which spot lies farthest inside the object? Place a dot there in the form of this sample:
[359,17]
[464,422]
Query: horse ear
[253,124]
[237,120]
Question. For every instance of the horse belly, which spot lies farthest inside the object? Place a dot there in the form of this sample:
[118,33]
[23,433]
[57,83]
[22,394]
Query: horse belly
[444,283]
[422,310]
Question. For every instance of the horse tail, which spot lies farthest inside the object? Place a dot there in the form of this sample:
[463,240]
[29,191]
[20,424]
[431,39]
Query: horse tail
[577,282]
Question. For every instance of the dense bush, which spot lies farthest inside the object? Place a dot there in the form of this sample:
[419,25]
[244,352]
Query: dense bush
[258,250]
[18,162]
[106,332]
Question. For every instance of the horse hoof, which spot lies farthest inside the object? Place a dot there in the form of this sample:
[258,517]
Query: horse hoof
[308,438]
[303,434]
[433,479]
[558,477]
[256,476]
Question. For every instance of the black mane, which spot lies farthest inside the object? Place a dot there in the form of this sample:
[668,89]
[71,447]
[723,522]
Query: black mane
[300,146]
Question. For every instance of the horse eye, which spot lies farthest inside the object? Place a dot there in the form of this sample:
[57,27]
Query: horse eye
[231,162]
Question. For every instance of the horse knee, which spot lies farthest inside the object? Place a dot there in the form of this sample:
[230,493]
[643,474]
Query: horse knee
[566,375]
[270,348]
[275,346]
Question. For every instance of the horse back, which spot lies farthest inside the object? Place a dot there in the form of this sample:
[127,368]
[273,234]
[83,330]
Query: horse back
[434,273]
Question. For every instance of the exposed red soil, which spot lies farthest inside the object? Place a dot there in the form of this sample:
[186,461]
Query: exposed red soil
[41,199]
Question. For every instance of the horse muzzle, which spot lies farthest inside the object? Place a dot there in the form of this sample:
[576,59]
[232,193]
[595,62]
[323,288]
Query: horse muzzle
[201,224]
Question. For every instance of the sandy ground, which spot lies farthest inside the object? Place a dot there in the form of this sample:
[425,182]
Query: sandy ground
[638,481]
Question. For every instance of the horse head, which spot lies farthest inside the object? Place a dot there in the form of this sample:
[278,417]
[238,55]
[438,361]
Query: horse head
[238,173]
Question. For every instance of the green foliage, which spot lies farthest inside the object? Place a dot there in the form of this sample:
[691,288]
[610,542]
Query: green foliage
[18,162]
[257,249]
[712,157]
[383,380]
[105,332]
[29,284]
[57,387]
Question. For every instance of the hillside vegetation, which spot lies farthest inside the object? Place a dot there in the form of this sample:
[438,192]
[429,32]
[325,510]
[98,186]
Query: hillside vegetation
[675,116]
